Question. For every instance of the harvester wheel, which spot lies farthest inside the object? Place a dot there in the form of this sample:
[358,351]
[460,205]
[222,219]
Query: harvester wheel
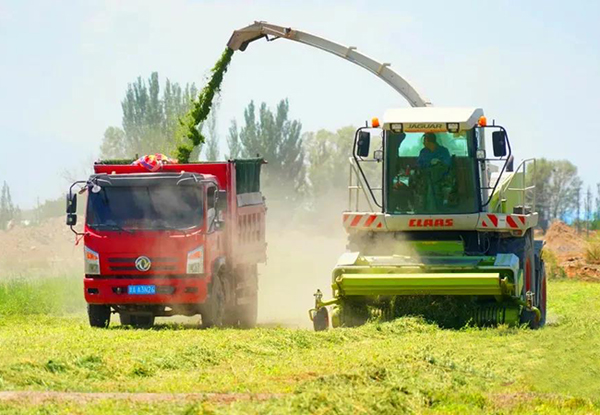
[321,319]
[99,315]
[541,289]
[214,308]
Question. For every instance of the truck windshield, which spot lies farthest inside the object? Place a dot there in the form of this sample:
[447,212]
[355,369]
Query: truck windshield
[431,173]
[145,208]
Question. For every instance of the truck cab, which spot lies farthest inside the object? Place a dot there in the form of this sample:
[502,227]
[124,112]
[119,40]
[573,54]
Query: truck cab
[172,242]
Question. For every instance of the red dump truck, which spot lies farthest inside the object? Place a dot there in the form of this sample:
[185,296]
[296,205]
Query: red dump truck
[184,240]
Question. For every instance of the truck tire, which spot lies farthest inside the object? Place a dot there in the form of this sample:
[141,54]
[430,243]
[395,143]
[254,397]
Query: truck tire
[99,315]
[213,310]
[248,313]
[138,321]
[125,319]
[142,321]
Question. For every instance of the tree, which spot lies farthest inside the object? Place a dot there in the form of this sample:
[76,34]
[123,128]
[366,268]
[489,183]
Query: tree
[557,186]
[7,209]
[588,209]
[113,145]
[597,214]
[276,138]
[150,121]
[233,141]
[328,154]
[212,141]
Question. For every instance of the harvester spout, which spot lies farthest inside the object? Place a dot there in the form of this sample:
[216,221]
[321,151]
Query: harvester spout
[240,39]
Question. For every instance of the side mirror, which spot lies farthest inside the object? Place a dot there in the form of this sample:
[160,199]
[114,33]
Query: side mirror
[71,219]
[221,203]
[71,202]
[499,143]
[362,146]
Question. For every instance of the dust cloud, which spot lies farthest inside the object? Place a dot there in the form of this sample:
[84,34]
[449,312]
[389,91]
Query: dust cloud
[304,245]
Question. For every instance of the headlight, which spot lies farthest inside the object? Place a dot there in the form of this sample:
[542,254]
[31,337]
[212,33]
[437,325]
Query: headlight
[92,261]
[195,261]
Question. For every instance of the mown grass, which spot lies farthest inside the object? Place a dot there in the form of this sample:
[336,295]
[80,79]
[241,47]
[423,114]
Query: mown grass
[406,365]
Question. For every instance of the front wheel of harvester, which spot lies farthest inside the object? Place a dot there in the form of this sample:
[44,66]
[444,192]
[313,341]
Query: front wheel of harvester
[321,319]
[99,315]
[214,308]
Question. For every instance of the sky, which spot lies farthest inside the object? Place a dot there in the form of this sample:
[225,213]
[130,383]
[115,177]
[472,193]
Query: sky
[533,66]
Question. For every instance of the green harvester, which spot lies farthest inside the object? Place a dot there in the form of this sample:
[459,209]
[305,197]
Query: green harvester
[433,217]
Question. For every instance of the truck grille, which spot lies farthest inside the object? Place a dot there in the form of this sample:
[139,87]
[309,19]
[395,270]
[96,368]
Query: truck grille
[146,276]
[128,264]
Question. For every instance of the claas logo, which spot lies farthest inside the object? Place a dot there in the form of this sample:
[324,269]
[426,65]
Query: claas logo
[430,223]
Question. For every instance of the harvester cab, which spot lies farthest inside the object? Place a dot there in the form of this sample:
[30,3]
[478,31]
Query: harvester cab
[437,211]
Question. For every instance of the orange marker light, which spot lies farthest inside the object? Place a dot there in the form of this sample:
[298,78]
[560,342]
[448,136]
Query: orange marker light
[91,257]
[375,122]
[482,121]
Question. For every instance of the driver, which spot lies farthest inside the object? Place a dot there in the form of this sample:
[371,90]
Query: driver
[433,153]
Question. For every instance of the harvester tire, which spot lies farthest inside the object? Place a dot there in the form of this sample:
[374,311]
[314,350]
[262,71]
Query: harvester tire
[529,318]
[99,315]
[321,319]
[213,310]
[541,289]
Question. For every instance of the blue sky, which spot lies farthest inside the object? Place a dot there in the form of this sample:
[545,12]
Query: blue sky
[532,66]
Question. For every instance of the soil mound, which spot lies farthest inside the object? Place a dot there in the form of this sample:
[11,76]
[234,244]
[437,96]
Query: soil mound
[563,240]
[44,248]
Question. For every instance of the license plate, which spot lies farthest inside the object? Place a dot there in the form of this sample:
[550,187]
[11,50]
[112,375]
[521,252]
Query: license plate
[141,289]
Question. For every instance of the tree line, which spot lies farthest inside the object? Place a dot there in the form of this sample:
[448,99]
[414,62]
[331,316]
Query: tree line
[305,168]
[301,164]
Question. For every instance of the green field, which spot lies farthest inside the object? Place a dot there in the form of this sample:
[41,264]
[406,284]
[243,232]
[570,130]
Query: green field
[407,365]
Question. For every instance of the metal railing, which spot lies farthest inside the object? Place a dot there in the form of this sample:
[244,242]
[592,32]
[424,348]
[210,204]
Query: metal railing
[356,185]
[527,189]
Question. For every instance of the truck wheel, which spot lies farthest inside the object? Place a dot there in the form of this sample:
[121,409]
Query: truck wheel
[321,319]
[142,321]
[99,315]
[214,308]
[125,319]
[248,313]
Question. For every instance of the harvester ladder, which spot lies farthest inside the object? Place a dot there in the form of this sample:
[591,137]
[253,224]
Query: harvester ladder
[527,189]
[356,186]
